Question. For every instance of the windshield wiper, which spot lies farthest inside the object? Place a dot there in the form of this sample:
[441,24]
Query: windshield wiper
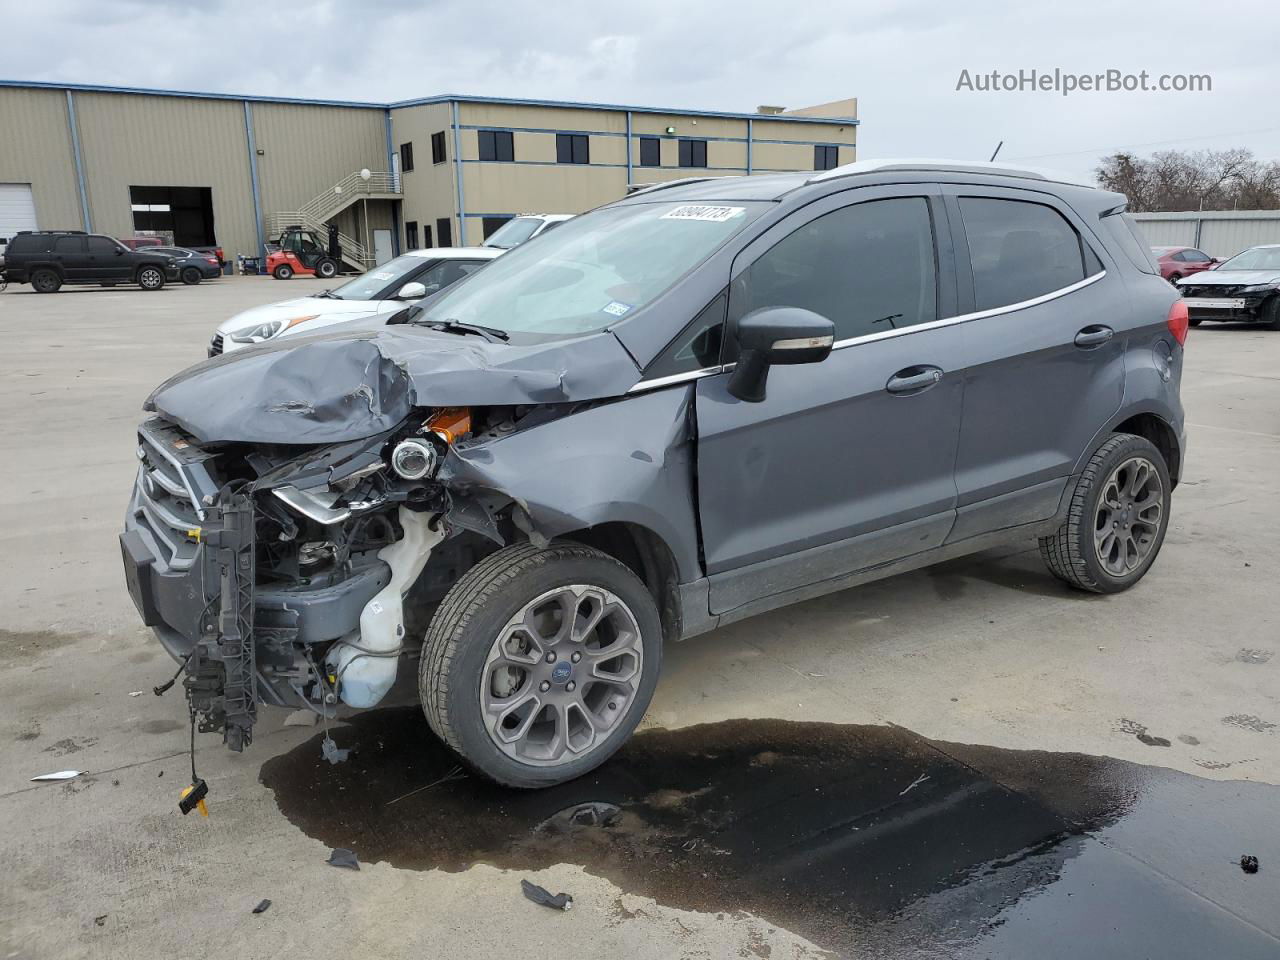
[492,334]
[327,295]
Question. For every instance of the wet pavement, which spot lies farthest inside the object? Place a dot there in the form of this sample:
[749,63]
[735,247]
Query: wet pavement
[867,840]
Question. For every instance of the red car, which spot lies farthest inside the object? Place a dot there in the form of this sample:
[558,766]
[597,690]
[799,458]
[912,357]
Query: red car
[1178,262]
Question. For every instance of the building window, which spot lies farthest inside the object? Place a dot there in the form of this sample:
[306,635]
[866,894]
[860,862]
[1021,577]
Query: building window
[650,152]
[572,148]
[497,145]
[693,153]
[437,148]
[411,234]
[406,157]
[492,224]
[825,156]
[444,230]
[426,236]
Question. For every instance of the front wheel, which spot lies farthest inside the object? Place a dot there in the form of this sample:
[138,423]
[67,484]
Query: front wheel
[540,662]
[283,272]
[1117,520]
[326,269]
[150,278]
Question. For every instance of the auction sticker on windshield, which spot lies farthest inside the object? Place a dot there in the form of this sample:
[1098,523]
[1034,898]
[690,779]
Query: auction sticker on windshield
[615,308]
[698,211]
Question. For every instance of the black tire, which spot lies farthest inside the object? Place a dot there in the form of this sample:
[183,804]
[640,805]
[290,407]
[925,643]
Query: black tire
[1271,313]
[150,278]
[191,276]
[45,281]
[1070,553]
[326,269]
[283,272]
[470,620]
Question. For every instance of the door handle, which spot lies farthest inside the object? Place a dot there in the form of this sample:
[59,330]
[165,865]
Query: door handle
[914,379]
[1094,336]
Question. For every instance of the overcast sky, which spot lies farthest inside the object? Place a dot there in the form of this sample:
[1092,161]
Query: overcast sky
[902,60]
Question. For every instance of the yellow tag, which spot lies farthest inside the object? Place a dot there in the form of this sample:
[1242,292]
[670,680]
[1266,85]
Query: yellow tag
[204,811]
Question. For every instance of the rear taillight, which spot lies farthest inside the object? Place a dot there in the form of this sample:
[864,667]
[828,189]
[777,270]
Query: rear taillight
[1179,321]
[212,260]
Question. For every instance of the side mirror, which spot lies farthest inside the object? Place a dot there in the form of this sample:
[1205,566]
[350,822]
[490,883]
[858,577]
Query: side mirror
[412,291]
[119,251]
[777,335]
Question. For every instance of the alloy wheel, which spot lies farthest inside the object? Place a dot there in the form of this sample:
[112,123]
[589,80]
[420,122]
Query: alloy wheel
[1127,523]
[561,675]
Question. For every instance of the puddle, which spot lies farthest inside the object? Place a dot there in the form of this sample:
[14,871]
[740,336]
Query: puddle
[857,837]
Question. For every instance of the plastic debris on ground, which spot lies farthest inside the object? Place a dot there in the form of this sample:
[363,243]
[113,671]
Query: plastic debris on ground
[262,907]
[332,752]
[57,775]
[341,857]
[540,895]
[1249,864]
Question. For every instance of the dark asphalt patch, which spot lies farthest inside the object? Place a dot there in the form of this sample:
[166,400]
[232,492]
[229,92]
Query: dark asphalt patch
[865,839]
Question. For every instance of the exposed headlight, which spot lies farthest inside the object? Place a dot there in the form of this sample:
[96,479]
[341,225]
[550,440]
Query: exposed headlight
[414,459]
[1259,288]
[268,329]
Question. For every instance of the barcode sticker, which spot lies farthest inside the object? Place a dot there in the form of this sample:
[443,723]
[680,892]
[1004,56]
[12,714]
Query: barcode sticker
[704,213]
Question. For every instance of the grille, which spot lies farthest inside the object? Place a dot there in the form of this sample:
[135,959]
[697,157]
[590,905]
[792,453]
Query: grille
[215,347]
[1215,291]
[170,479]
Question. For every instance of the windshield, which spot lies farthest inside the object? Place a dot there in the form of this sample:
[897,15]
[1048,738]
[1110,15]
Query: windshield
[1259,258]
[513,232]
[367,286]
[593,270]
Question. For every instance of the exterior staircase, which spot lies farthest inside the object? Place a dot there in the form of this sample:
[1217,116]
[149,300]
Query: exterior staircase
[316,213]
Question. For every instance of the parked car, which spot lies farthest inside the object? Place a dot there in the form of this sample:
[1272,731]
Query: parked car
[379,293]
[141,243]
[1245,287]
[1178,262]
[525,227]
[193,266]
[47,259]
[690,406]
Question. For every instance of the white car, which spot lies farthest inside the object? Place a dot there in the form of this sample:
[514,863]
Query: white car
[383,290]
[524,227]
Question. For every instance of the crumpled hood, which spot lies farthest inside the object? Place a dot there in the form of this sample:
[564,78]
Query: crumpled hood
[1229,278]
[345,386]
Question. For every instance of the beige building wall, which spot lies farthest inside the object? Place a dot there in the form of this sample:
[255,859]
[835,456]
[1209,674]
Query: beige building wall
[35,148]
[430,192]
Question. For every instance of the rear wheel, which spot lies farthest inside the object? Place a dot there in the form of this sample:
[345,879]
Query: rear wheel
[326,269]
[191,276]
[45,281]
[283,272]
[1117,519]
[540,662]
[151,278]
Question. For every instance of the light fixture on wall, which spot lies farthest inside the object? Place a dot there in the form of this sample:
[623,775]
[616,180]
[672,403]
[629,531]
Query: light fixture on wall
[670,130]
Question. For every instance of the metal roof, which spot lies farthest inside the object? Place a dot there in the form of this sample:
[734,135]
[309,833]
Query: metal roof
[442,98]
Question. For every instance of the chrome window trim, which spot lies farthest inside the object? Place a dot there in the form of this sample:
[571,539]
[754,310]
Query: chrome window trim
[976,315]
[688,375]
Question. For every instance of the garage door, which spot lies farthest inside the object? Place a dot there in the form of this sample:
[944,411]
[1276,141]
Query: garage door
[17,209]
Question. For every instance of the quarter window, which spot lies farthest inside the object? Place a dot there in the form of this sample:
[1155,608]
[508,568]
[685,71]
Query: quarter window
[1020,250]
[650,152]
[572,148]
[693,153]
[867,268]
[497,146]
[697,347]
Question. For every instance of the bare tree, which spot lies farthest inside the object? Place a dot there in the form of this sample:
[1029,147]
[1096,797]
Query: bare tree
[1199,180]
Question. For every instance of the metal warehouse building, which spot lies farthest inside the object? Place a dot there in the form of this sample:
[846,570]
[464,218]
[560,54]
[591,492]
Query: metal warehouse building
[439,171]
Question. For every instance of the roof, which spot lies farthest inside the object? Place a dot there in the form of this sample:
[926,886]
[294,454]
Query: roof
[455,253]
[441,98]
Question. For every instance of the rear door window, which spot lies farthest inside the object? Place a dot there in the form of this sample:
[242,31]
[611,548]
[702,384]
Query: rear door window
[69,245]
[1019,250]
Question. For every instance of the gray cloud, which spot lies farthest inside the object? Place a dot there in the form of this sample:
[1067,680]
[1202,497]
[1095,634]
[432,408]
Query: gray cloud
[901,59]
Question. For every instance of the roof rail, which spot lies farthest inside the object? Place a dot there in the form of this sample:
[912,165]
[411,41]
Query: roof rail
[947,166]
[637,188]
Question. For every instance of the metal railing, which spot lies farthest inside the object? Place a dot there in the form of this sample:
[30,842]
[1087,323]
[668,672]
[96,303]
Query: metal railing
[316,213]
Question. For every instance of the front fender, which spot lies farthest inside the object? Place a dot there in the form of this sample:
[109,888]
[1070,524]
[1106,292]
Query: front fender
[628,460]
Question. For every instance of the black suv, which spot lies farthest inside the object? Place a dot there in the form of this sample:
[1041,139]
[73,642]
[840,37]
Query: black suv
[47,259]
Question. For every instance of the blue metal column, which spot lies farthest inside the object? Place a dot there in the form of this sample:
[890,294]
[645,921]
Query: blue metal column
[628,149]
[395,210]
[253,179]
[79,160]
[748,146]
[457,177]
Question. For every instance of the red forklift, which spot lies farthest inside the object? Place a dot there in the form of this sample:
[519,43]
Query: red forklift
[299,252]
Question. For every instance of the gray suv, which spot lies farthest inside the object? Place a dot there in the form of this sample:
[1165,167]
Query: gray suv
[705,401]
